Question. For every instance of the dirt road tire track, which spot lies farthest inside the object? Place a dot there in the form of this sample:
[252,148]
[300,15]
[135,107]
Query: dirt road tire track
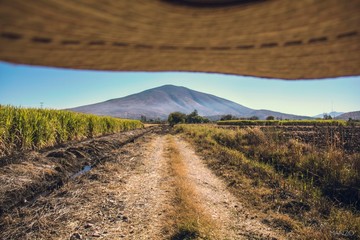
[147,195]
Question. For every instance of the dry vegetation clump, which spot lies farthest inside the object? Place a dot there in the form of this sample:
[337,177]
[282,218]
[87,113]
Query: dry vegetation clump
[89,206]
[37,173]
[81,208]
[191,220]
[305,191]
[27,128]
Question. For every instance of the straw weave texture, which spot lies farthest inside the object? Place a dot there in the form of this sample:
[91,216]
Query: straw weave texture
[287,39]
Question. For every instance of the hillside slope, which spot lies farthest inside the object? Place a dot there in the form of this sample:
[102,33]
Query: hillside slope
[353,115]
[159,102]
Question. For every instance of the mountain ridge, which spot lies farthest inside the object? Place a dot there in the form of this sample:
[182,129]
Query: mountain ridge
[355,115]
[159,102]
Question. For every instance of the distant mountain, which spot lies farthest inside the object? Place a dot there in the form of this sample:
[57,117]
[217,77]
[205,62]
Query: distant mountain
[332,114]
[353,115]
[161,101]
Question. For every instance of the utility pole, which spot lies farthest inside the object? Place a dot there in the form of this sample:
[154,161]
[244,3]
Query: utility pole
[41,104]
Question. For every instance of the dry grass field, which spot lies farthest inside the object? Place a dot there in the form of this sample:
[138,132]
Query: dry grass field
[305,190]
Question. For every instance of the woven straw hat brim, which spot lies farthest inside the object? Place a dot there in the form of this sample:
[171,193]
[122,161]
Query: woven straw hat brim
[284,39]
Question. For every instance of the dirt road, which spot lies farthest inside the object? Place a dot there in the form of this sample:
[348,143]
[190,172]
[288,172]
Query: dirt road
[135,194]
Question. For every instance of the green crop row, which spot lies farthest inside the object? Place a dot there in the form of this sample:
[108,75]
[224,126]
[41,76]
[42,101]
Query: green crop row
[28,128]
[284,122]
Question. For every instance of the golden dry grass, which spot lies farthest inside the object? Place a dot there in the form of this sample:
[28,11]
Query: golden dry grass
[288,203]
[192,222]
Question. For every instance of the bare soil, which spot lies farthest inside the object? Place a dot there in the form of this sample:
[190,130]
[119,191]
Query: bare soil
[128,194]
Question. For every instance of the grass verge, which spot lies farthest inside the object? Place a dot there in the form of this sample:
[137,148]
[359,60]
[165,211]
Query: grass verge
[190,218]
[277,179]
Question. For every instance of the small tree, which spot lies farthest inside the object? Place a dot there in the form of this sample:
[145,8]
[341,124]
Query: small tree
[228,117]
[327,116]
[143,118]
[205,120]
[254,118]
[176,117]
[193,117]
[270,118]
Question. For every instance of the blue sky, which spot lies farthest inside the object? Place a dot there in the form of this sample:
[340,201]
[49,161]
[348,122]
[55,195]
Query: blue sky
[62,88]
